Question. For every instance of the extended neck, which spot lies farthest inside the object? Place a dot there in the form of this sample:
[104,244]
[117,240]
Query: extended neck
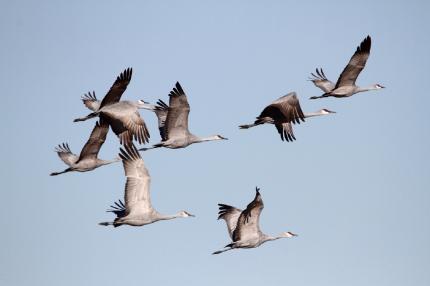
[204,139]
[107,162]
[282,235]
[169,217]
[366,88]
[316,113]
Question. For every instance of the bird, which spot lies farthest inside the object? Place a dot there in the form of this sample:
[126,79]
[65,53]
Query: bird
[345,85]
[284,112]
[122,116]
[174,128]
[87,160]
[244,226]
[137,210]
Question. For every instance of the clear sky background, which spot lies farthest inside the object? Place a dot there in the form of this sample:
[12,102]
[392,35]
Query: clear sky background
[354,186]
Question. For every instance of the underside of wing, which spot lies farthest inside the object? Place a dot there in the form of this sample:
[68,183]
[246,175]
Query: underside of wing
[320,80]
[65,154]
[356,64]
[286,131]
[90,101]
[230,215]
[161,111]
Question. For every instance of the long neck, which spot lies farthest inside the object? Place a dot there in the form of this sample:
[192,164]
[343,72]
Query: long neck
[106,162]
[312,114]
[196,139]
[366,88]
[168,217]
[270,238]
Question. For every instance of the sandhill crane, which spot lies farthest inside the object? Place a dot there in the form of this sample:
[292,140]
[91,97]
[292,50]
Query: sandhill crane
[87,160]
[244,226]
[345,85]
[123,116]
[174,131]
[282,112]
[137,210]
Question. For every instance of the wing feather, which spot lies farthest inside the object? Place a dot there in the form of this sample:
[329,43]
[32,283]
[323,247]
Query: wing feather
[138,179]
[95,142]
[177,116]
[248,224]
[230,215]
[119,86]
[356,64]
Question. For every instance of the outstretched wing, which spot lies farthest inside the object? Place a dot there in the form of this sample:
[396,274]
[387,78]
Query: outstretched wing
[248,224]
[177,116]
[96,140]
[320,80]
[230,215]
[286,131]
[356,64]
[118,209]
[119,86]
[90,101]
[161,110]
[65,154]
[137,197]
[284,109]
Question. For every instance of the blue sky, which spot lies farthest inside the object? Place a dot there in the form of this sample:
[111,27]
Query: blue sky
[354,186]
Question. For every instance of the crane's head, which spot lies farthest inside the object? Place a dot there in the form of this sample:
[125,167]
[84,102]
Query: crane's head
[185,214]
[142,102]
[219,137]
[288,234]
[326,111]
[378,86]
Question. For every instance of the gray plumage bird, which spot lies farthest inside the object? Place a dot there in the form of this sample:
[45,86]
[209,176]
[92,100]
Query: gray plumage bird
[173,122]
[284,112]
[123,116]
[137,210]
[345,85]
[87,160]
[244,226]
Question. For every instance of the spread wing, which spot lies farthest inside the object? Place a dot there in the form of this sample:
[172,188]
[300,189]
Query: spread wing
[320,80]
[95,142]
[286,131]
[177,116]
[284,109]
[65,154]
[90,101]
[119,86]
[161,110]
[138,180]
[355,65]
[248,224]
[230,215]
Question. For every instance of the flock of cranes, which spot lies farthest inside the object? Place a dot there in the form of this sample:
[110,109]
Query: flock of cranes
[124,119]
